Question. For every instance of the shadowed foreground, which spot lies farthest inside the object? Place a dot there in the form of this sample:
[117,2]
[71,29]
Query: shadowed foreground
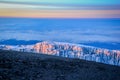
[29,66]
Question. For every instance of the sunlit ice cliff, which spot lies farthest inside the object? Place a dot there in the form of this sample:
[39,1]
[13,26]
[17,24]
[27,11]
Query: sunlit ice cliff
[71,51]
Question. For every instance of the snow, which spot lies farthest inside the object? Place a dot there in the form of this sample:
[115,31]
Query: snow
[70,50]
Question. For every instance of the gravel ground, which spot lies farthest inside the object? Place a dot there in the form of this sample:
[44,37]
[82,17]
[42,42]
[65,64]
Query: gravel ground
[32,66]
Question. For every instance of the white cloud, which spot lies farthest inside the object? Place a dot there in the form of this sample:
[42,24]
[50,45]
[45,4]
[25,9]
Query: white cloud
[30,6]
[74,36]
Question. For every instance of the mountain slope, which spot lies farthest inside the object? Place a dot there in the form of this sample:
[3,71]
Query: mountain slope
[28,66]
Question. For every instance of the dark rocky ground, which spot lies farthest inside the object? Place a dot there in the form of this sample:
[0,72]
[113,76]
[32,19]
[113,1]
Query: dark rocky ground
[29,66]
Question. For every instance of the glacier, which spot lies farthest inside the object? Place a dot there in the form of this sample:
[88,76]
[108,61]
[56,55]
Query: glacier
[70,50]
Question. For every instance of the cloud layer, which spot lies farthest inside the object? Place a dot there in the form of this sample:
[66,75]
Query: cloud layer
[70,35]
[74,30]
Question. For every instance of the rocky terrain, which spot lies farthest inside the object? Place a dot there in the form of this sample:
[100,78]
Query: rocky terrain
[31,66]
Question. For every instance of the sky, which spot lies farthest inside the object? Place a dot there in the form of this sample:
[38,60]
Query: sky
[60,8]
[83,2]
[41,20]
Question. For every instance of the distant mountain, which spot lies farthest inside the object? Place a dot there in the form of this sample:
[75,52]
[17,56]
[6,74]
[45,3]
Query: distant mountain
[28,66]
[17,42]
[107,45]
